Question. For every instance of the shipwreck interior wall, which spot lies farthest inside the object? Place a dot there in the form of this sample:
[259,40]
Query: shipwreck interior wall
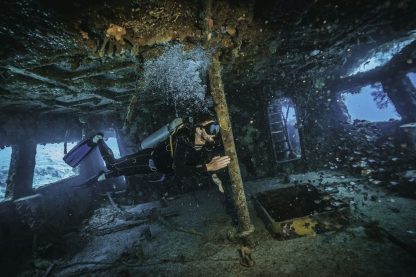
[42,218]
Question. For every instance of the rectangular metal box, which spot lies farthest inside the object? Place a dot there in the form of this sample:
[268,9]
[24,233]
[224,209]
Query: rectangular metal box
[300,210]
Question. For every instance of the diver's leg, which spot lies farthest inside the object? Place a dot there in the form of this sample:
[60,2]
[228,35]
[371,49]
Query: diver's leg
[107,154]
[137,163]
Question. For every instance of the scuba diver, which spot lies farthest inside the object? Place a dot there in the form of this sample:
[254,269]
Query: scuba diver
[178,148]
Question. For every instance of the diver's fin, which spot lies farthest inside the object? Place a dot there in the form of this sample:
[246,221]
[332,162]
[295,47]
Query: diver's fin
[79,152]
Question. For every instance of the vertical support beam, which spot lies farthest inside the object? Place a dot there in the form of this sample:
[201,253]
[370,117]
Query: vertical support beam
[301,134]
[21,170]
[208,17]
[124,138]
[403,95]
[131,112]
[303,121]
[221,108]
[83,168]
[124,135]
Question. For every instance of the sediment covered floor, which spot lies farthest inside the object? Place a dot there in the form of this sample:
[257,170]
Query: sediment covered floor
[187,236]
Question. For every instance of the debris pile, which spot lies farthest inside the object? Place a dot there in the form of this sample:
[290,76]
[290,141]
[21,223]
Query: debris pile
[375,152]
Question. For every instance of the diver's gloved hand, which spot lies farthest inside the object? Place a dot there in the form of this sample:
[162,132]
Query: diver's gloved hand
[217,163]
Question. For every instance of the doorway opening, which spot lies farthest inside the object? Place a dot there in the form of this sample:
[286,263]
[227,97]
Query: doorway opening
[283,130]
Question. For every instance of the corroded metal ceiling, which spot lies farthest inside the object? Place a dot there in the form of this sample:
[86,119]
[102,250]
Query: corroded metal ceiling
[86,57]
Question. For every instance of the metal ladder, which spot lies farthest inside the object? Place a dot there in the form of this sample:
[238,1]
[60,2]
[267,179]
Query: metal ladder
[279,133]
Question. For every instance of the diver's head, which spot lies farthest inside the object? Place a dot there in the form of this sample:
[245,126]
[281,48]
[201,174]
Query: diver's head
[206,129]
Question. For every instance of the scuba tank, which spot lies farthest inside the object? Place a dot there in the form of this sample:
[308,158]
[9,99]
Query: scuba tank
[161,134]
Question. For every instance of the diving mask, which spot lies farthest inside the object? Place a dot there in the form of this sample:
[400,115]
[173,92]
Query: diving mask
[211,128]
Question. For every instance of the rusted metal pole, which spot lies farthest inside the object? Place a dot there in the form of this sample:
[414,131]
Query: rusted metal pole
[21,170]
[221,108]
[131,112]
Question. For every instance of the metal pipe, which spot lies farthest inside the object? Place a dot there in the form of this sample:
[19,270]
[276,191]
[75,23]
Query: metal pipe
[21,170]
[221,108]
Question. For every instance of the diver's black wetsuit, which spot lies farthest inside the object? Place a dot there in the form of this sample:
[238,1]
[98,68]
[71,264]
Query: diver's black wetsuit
[186,160]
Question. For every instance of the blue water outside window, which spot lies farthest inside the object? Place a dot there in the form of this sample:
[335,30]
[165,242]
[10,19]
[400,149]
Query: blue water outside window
[112,143]
[49,166]
[5,156]
[370,103]
[412,77]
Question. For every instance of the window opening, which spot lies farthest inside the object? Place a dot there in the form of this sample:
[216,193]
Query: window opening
[412,78]
[5,157]
[49,166]
[110,138]
[283,129]
[370,103]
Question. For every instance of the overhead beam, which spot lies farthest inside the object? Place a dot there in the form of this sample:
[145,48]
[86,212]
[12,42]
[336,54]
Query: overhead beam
[35,76]
[27,73]
[102,71]
[402,62]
